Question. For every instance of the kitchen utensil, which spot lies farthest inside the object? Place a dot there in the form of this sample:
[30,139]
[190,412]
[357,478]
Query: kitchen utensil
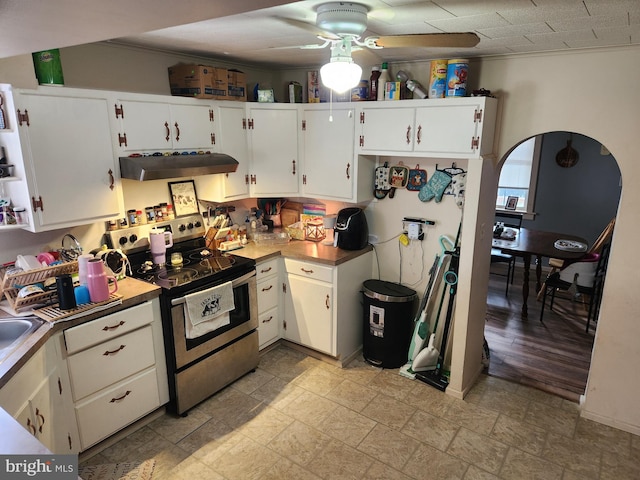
[71,248]
[28,262]
[66,296]
[159,240]
[98,281]
[81,292]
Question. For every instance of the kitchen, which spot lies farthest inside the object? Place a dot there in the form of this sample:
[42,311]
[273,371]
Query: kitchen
[532,107]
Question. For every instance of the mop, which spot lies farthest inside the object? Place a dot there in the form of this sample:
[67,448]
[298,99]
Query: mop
[421,328]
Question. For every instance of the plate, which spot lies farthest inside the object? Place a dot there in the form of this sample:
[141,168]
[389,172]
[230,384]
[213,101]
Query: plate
[570,246]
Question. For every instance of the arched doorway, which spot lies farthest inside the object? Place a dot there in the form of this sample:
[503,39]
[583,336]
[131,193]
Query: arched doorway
[576,198]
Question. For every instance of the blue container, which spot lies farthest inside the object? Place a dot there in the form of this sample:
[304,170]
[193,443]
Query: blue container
[457,70]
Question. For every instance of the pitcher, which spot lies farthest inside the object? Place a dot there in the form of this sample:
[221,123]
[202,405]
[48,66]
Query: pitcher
[159,241]
[98,281]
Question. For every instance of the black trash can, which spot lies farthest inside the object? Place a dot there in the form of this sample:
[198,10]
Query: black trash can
[388,323]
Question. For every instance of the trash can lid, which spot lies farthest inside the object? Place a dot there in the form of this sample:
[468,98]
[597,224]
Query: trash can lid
[388,291]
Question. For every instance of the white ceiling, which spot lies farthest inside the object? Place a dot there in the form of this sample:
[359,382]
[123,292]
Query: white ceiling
[253,32]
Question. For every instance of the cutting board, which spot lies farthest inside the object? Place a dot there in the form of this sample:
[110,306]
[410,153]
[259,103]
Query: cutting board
[289,216]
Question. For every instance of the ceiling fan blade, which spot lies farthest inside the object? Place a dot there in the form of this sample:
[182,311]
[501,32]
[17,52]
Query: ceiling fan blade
[310,27]
[451,40]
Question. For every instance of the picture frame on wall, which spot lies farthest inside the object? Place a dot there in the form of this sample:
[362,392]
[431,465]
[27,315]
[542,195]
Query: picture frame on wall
[184,198]
[511,203]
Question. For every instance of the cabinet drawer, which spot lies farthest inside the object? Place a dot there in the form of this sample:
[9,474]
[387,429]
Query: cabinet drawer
[268,326]
[267,294]
[106,328]
[309,270]
[267,268]
[102,415]
[110,362]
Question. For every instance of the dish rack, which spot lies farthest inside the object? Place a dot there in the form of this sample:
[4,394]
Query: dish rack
[12,283]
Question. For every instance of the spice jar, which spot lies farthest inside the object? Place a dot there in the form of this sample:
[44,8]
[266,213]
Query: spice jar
[133,217]
[123,223]
[150,213]
[141,218]
[170,214]
[158,212]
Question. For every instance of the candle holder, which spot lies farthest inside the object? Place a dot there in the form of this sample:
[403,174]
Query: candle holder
[315,230]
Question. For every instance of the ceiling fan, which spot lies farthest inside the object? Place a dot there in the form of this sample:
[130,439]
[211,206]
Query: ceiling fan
[341,24]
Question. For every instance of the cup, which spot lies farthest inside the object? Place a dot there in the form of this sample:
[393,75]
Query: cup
[82,267]
[66,297]
[81,292]
[98,281]
[176,258]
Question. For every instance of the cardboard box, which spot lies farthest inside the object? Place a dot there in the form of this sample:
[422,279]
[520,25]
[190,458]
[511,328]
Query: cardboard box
[237,87]
[190,80]
[294,92]
[220,83]
[313,86]
[392,91]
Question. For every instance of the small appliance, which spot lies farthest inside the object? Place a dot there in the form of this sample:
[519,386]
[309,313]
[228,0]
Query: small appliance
[351,231]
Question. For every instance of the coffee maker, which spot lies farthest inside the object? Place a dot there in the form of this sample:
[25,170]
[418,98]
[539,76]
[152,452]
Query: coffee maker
[351,231]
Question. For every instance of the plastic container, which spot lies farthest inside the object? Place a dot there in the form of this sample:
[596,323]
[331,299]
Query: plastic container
[382,81]
[48,67]
[438,78]
[361,92]
[373,83]
[387,323]
[457,70]
[150,214]
[133,217]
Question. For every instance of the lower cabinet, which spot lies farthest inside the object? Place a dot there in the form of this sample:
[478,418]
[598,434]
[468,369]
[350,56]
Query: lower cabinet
[323,305]
[268,282]
[117,370]
[39,398]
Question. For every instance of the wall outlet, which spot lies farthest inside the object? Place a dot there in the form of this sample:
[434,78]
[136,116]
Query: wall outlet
[413,231]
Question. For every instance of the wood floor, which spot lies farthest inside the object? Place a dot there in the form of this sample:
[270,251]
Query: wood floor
[554,356]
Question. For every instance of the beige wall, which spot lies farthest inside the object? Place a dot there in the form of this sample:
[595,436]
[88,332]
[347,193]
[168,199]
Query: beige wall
[539,93]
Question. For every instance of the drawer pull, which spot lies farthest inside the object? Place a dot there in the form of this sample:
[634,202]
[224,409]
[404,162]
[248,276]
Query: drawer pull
[266,270]
[326,302]
[268,288]
[107,328]
[306,271]
[38,414]
[113,400]
[31,427]
[112,352]
[267,320]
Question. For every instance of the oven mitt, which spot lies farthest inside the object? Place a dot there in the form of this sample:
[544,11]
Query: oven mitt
[435,187]
[417,179]
[381,182]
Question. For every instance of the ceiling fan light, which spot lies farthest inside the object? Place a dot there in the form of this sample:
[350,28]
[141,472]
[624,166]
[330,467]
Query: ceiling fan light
[340,75]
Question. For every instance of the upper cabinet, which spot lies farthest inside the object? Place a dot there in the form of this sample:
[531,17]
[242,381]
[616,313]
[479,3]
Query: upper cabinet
[163,124]
[59,143]
[273,143]
[330,169]
[446,128]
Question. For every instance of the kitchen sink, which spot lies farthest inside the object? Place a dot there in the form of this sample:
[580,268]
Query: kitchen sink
[14,331]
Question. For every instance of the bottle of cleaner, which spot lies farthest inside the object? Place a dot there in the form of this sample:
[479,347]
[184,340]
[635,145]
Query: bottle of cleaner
[382,81]
[373,83]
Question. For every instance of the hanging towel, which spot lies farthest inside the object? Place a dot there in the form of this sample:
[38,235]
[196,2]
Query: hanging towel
[208,310]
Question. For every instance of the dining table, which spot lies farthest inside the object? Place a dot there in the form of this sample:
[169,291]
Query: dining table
[528,243]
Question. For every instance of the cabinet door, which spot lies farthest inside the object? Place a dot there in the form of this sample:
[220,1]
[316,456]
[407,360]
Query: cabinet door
[68,145]
[309,313]
[47,408]
[387,129]
[147,126]
[446,129]
[328,153]
[233,142]
[274,151]
[192,127]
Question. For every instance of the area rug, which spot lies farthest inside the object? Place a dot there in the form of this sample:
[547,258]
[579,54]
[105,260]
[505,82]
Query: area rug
[119,471]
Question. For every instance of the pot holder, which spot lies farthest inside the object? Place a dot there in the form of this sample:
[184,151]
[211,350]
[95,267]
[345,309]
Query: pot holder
[435,187]
[417,178]
[399,176]
[381,182]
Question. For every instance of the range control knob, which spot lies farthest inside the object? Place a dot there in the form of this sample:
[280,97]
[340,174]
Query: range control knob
[198,224]
[190,226]
[133,237]
[122,240]
[182,228]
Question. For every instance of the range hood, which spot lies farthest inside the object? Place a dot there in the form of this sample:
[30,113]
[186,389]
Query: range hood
[175,166]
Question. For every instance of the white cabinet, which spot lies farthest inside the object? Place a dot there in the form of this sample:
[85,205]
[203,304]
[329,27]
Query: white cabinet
[273,143]
[39,398]
[330,169]
[445,128]
[268,283]
[117,370]
[60,144]
[323,305]
[151,122]
[232,140]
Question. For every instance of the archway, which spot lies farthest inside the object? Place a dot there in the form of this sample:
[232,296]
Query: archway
[580,200]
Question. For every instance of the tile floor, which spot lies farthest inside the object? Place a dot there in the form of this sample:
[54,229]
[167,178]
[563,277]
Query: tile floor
[299,418]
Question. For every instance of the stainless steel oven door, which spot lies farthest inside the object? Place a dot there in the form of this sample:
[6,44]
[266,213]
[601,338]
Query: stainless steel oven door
[244,319]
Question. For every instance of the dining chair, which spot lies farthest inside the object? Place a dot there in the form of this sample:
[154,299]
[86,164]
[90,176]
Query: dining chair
[592,287]
[511,220]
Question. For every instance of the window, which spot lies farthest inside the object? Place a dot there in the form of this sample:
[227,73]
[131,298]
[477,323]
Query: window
[519,174]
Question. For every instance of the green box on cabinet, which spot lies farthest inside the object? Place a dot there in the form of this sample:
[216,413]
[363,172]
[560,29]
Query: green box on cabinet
[190,80]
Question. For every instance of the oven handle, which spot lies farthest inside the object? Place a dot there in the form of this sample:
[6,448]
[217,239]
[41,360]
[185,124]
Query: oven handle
[236,282]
